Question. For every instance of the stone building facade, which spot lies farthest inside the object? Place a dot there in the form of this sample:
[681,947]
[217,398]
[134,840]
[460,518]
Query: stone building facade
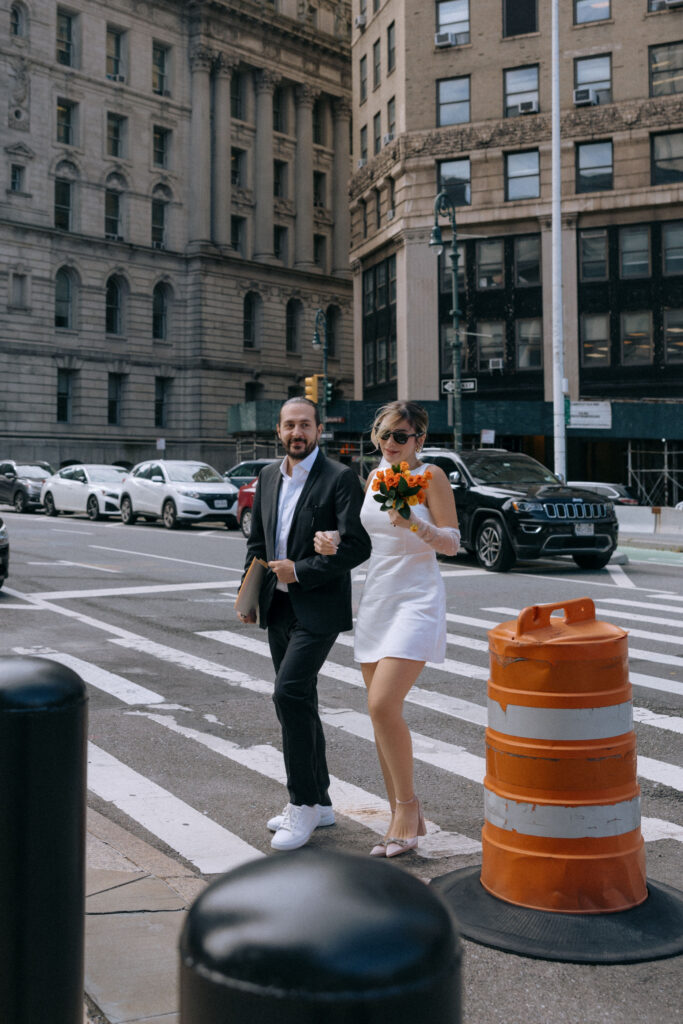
[173,211]
[455,95]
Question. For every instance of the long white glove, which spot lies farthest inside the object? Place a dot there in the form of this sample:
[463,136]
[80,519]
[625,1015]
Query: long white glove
[444,539]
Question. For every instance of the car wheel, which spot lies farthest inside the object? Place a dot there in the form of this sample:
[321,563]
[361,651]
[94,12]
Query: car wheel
[20,502]
[245,522]
[169,514]
[92,508]
[493,549]
[128,517]
[49,503]
[597,561]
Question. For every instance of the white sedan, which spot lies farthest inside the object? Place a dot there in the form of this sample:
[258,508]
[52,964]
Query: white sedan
[177,492]
[90,488]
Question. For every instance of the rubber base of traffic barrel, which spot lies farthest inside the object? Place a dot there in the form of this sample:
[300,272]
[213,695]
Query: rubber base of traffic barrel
[651,931]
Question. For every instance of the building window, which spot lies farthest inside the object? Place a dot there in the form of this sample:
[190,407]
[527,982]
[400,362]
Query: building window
[595,344]
[294,319]
[114,306]
[158,223]
[162,387]
[66,122]
[666,69]
[320,251]
[161,144]
[490,342]
[529,344]
[66,50]
[527,258]
[593,264]
[454,178]
[64,300]
[521,91]
[112,214]
[364,143]
[672,246]
[634,252]
[319,188]
[160,69]
[391,47]
[114,62]
[237,97]
[379,323]
[65,388]
[319,123]
[363,66]
[251,320]
[453,16]
[591,10]
[595,75]
[363,210]
[376,133]
[673,335]
[657,5]
[279,110]
[114,395]
[391,117]
[667,158]
[279,179]
[594,166]
[636,339]
[519,17]
[63,203]
[16,178]
[453,101]
[116,135]
[237,234]
[160,306]
[280,243]
[378,207]
[237,167]
[522,175]
[333,318]
[376,64]
[18,292]
[17,20]
[490,267]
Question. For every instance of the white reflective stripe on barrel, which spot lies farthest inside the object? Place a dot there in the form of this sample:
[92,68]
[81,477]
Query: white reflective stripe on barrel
[586,821]
[561,723]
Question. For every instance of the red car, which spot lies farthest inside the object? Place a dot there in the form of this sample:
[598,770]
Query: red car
[245,500]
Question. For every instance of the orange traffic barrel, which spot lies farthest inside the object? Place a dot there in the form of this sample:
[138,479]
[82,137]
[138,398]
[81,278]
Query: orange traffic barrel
[562,802]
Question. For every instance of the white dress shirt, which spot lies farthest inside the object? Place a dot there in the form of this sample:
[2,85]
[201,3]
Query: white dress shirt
[290,492]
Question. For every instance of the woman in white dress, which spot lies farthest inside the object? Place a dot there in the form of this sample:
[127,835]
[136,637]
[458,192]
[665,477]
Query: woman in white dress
[402,614]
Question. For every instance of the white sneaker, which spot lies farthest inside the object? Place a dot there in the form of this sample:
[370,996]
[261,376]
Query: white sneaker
[298,825]
[326,818]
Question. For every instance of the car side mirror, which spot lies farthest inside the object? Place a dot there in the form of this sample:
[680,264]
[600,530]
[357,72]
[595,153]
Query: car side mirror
[454,477]
[10,475]
[157,479]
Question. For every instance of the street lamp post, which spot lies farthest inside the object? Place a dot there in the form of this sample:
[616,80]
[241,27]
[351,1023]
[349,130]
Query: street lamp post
[444,205]
[321,324]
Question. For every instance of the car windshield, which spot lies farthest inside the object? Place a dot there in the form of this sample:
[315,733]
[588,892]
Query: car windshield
[38,472]
[512,469]
[196,472]
[106,474]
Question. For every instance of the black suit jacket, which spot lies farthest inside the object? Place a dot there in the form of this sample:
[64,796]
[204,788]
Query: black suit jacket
[331,499]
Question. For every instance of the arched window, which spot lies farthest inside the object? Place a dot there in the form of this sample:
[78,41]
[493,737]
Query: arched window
[251,320]
[161,302]
[295,315]
[17,20]
[333,315]
[114,305]
[64,299]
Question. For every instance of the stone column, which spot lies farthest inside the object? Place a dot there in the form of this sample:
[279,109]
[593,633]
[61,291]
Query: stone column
[199,171]
[224,66]
[265,82]
[303,176]
[341,112]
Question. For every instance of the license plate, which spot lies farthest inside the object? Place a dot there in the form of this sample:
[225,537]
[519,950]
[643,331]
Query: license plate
[584,529]
[220,503]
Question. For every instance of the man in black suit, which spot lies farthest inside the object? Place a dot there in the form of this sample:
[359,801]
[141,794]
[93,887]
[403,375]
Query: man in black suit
[305,602]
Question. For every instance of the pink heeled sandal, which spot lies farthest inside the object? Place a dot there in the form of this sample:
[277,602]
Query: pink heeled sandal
[395,846]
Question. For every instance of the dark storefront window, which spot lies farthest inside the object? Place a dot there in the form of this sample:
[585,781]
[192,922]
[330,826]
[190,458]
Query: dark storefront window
[379,329]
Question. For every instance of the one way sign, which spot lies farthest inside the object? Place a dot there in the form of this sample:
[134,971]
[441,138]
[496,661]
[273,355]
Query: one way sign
[448,386]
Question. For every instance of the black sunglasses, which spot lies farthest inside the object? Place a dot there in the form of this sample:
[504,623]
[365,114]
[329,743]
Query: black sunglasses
[399,436]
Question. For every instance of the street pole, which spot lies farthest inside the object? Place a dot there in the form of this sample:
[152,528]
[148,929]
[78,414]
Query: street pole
[321,323]
[559,427]
[444,205]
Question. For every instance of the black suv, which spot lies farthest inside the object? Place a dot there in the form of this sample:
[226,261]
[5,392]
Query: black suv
[21,483]
[510,507]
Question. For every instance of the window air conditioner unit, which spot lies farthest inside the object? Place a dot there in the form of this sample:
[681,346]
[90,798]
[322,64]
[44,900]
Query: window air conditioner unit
[445,39]
[495,364]
[528,107]
[585,97]
[673,3]
[362,162]
[360,21]
[386,139]
[391,214]
[158,245]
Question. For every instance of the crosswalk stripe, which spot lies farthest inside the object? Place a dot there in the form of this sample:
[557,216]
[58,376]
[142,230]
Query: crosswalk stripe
[640,604]
[619,576]
[646,717]
[119,687]
[631,616]
[194,836]
[458,668]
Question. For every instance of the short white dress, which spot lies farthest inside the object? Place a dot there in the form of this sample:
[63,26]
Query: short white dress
[402,611]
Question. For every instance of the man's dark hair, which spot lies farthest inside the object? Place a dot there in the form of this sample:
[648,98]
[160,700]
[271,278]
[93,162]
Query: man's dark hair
[300,400]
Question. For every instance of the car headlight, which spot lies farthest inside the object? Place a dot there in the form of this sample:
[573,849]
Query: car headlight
[190,494]
[527,506]
[3,532]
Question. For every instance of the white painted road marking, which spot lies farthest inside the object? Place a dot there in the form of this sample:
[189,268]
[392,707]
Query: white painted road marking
[115,685]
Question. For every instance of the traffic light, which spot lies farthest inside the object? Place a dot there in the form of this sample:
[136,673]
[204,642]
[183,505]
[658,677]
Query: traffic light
[329,388]
[311,388]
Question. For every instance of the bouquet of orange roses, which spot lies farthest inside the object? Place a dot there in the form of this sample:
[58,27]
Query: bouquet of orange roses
[398,488]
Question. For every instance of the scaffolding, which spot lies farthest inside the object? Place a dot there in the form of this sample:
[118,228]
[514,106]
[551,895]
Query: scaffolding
[655,472]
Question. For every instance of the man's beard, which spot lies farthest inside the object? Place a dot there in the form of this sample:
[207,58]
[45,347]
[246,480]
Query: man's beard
[301,452]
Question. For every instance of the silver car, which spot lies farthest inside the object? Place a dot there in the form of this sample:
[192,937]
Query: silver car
[87,487]
[177,492]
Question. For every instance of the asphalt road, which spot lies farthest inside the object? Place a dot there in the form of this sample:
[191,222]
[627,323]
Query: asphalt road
[180,712]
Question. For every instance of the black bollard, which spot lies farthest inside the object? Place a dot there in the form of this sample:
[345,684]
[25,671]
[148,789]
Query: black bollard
[314,936]
[43,719]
